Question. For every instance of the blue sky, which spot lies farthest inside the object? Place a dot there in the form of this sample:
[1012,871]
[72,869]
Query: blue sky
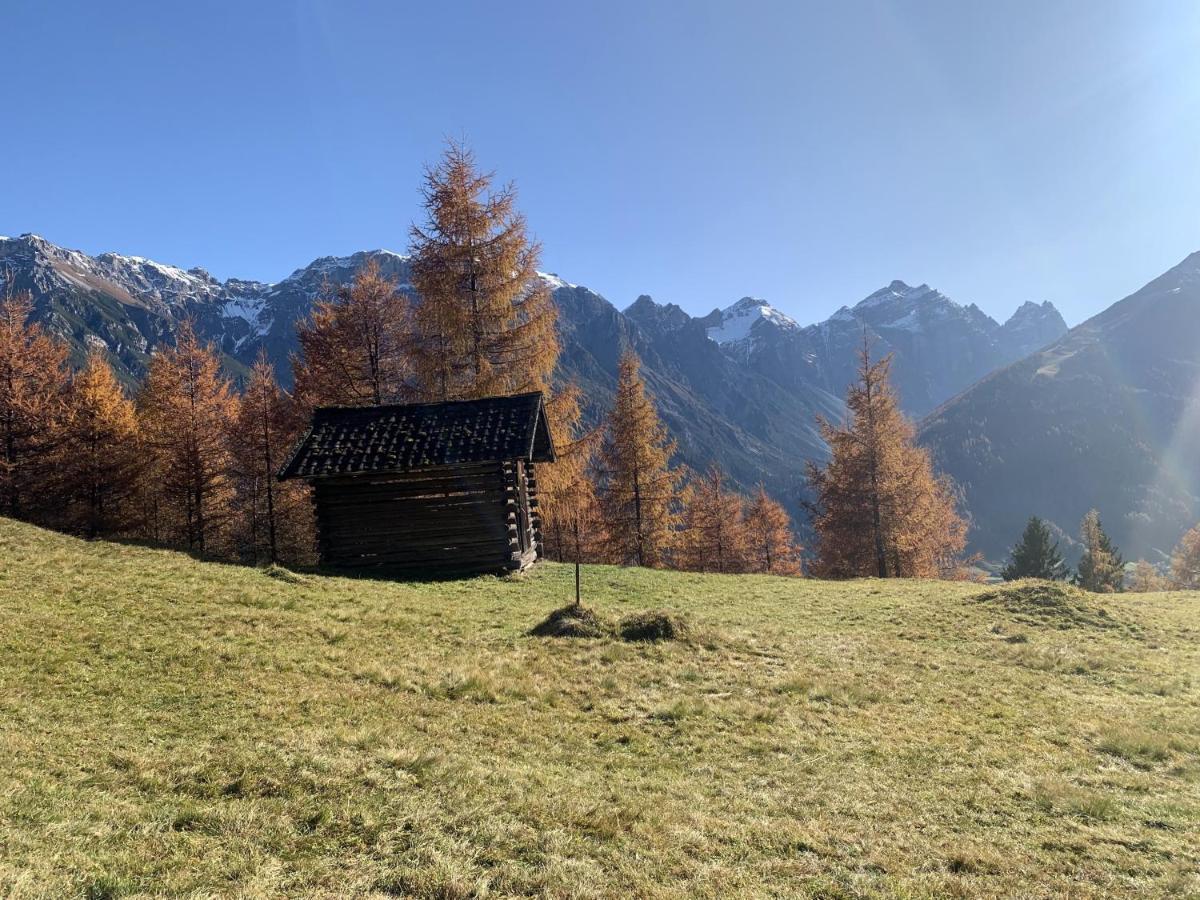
[804,152]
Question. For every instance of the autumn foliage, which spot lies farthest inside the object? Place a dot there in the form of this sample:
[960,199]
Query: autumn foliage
[186,407]
[272,520]
[485,325]
[354,346]
[192,462]
[99,462]
[1101,569]
[639,489]
[714,537]
[771,547]
[33,408]
[1185,562]
[879,509]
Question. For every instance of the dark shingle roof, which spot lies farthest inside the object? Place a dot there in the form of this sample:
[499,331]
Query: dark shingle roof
[403,438]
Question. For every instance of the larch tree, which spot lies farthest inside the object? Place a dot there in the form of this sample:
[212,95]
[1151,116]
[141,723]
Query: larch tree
[572,525]
[879,508]
[354,345]
[1146,579]
[771,547]
[639,489]
[713,535]
[485,324]
[274,519]
[185,409]
[1101,569]
[100,459]
[1035,555]
[33,406]
[1185,562]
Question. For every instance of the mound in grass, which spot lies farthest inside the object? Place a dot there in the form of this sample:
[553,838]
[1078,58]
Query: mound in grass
[572,622]
[653,625]
[279,573]
[1049,603]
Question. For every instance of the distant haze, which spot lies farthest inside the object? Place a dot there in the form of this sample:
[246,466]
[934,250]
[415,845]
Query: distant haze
[805,153]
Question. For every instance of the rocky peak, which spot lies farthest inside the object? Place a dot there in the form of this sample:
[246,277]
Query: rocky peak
[648,313]
[746,319]
[1033,326]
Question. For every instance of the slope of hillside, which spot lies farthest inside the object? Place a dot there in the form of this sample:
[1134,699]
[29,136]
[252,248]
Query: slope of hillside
[184,728]
[1106,417]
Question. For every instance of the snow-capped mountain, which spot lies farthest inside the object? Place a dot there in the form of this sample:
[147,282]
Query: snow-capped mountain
[939,347]
[741,386]
[129,304]
[738,326]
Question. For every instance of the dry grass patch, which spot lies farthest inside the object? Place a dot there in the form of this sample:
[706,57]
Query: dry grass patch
[172,728]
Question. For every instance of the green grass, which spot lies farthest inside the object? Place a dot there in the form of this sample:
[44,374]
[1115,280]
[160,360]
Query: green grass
[184,728]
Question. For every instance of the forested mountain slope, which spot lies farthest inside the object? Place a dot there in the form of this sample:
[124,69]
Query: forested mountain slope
[1106,417]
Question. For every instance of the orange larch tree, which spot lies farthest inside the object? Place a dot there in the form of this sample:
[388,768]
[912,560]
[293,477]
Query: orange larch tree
[713,536]
[185,409]
[771,542]
[485,324]
[33,406]
[273,520]
[354,345]
[100,461]
[1185,562]
[879,508]
[572,527]
[639,490]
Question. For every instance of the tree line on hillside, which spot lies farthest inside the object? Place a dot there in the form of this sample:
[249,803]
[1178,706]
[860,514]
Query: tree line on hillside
[189,461]
[1101,568]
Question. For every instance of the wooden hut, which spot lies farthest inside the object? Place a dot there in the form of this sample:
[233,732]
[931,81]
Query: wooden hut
[430,488]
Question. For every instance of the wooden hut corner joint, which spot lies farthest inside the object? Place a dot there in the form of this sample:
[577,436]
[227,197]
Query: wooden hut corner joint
[436,488]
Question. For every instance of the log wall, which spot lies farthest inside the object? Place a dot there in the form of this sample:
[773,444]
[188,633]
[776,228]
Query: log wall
[451,520]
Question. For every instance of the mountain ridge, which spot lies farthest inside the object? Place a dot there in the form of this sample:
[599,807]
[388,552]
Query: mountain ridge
[741,386]
[1107,416]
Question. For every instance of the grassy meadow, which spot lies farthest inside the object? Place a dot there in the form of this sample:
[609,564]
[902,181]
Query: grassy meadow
[172,727]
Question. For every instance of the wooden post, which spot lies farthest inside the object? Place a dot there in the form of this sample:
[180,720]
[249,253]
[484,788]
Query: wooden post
[575,520]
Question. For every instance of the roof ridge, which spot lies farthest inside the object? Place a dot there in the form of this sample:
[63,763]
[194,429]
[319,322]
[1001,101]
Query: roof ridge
[407,437]
[376,406]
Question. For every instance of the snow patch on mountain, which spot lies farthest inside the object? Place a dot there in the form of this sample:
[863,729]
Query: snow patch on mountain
[738,321]
[552,279]
[895,291]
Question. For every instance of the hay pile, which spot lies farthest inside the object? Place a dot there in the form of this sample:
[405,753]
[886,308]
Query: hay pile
[653,625]
[572,622]
[650,626]
[1050,604]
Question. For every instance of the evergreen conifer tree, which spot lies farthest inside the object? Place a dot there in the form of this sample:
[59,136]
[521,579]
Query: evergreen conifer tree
[1035,555]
